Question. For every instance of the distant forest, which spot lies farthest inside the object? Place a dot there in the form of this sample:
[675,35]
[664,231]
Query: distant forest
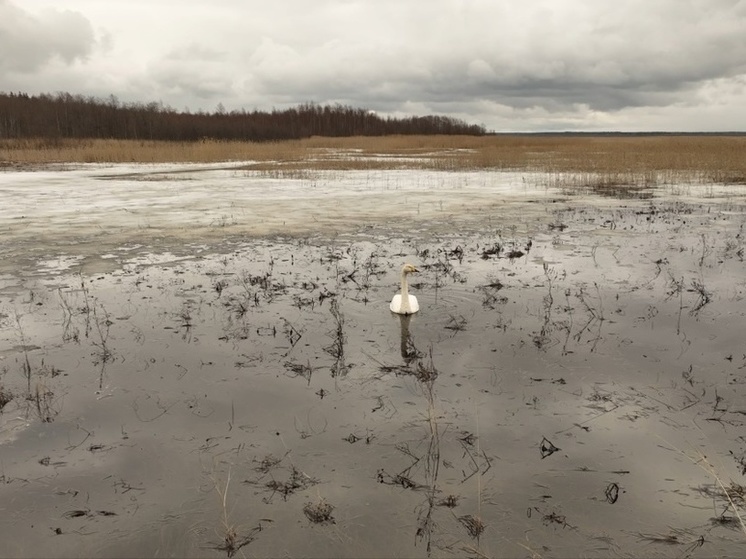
[63,115]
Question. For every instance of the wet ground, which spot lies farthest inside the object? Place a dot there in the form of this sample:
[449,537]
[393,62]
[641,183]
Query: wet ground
[200,361]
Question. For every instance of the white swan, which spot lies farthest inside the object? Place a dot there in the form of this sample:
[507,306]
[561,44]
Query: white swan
[404,303]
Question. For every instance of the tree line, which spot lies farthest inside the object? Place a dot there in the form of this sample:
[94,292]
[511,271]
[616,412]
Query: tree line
[63,115]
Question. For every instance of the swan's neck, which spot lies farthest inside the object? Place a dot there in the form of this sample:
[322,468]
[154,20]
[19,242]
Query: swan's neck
[404,292]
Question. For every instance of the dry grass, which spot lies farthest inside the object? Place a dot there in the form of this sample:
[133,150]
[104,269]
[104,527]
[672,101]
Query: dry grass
[625,160]
[49,151]
[231,540]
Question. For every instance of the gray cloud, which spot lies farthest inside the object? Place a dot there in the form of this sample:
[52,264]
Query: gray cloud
[195,71]
[542,64]
[607,58]
[28,41]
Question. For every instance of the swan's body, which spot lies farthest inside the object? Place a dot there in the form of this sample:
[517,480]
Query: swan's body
[404,303]
[404,306]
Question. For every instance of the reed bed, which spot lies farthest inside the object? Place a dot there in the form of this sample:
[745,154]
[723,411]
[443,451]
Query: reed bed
[637,160]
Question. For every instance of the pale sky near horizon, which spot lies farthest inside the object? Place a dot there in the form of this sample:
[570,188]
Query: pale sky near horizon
[528,65]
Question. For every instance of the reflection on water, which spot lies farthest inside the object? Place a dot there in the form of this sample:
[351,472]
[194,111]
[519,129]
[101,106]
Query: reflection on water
[570,367]
[408,350]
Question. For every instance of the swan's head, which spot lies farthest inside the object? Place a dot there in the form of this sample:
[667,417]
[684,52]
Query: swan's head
[408,269]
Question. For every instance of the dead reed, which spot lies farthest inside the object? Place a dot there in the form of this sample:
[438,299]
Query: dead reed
[231,540]
[609,161]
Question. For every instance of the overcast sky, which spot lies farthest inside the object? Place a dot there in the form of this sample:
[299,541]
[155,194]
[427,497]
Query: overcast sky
[511,65]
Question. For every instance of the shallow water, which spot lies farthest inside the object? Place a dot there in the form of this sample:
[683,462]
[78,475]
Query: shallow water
[194,352]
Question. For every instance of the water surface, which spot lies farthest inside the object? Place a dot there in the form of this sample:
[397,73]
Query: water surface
[200,361]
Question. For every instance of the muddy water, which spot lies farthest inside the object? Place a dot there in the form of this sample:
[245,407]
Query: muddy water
[201,362]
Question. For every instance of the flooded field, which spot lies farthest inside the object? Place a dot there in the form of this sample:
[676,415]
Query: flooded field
[201,361]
